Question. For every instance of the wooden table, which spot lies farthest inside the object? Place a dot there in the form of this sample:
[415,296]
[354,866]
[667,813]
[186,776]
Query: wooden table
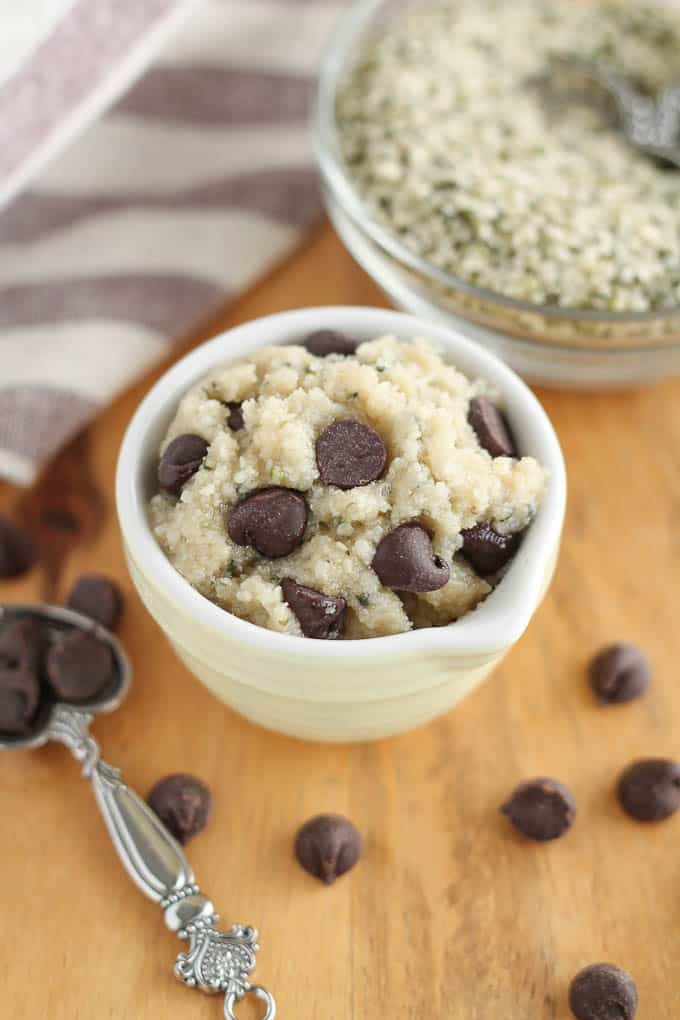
[449,915]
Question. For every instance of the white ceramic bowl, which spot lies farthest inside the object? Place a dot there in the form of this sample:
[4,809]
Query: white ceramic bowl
[341,690]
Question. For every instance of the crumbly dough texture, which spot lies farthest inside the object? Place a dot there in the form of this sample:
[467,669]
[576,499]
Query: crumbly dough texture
[437,474]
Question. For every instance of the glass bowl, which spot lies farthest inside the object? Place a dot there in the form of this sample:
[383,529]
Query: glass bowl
[559,347]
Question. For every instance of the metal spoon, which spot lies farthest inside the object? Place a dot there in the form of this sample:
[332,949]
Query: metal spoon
[215,961]
[651,125]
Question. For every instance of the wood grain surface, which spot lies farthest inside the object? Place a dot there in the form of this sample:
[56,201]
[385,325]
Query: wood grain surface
[449,915]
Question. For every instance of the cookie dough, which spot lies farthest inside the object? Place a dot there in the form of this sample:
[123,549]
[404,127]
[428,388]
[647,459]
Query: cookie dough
[304,465]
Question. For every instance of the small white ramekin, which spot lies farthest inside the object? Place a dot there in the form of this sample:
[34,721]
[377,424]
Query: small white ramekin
[336,690]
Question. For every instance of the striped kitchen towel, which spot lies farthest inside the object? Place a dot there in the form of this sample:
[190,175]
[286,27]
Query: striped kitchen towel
[188,188]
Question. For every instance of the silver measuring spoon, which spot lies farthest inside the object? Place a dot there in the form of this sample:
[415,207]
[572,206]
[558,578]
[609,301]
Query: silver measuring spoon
[215,961]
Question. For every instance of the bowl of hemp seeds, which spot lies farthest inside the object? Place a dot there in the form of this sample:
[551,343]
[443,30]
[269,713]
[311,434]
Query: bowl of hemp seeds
[477,197]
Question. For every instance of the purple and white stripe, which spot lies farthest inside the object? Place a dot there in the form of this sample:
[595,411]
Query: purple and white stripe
[94,50]
[188,189]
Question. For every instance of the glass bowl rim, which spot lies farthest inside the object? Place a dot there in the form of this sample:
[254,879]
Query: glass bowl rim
[326,145]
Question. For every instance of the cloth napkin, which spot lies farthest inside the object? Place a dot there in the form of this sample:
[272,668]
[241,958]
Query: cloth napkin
[194,182]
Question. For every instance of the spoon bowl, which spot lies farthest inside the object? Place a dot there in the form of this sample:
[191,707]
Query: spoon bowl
[57,622]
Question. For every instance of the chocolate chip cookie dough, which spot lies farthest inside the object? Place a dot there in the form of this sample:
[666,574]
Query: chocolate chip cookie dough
[335,489]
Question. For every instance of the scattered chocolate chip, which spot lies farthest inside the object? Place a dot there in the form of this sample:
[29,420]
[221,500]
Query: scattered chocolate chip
[541,809]
[79,666]
[181,460]
[319,615]
[22,645]
[271,520]
[649,789]
[491,428]
[97,597]
[603,992]
[619,673]
[404,560]
[327,846]
[17,552]
[328,341]
[486,550]
[183,803]
[349,453]
[235,417]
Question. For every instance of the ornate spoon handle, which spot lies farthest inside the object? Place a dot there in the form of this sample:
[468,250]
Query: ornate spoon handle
[215,961]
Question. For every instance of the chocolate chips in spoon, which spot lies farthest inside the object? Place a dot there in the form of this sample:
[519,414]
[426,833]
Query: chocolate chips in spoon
[79,666]
[22,646]
[19,699]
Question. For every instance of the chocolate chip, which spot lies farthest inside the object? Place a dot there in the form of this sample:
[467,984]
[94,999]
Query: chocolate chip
[404,560]
[486,550]
[603,992]
[349,453]
[541,809]
[649,789]
[79,666]
[183,803]
[235,417]
[328,341]
[22,645]
[319,615]
[271,520]
[327,846]
[491,427]
[180,461]
[97,597]
[19,698]
[619,673]
[17,552]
